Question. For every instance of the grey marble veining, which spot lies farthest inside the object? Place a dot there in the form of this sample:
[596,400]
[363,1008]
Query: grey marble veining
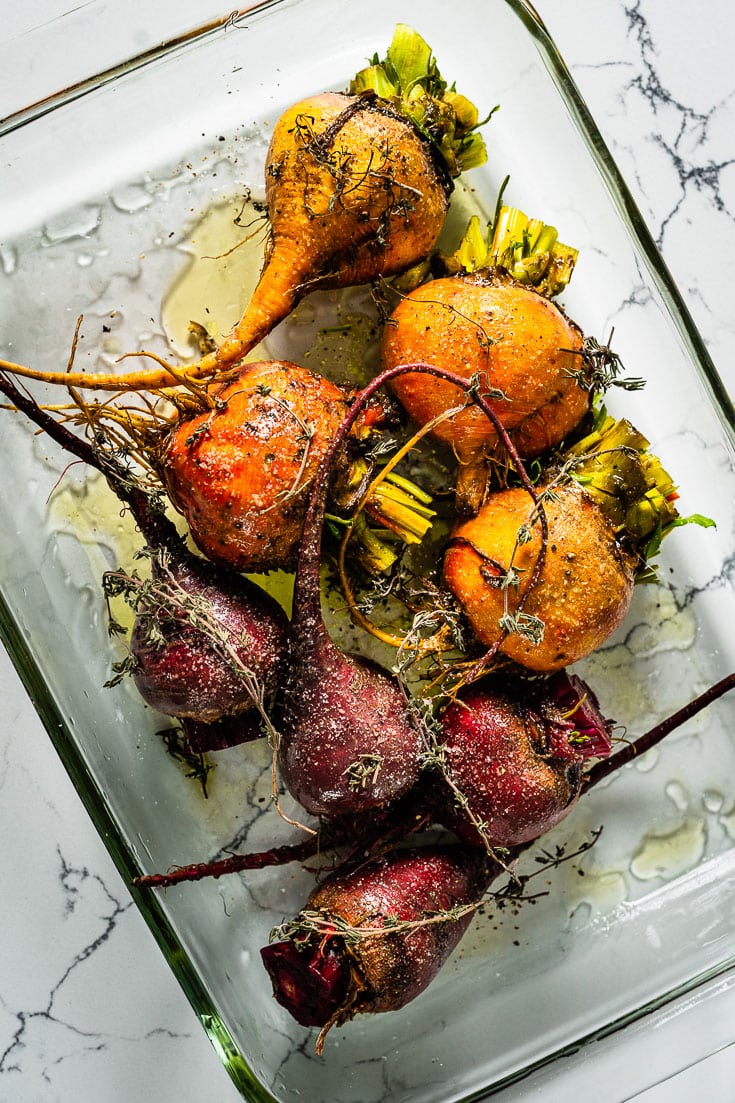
[88,1009]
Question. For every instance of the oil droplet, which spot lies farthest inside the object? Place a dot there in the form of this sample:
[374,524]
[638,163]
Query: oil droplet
[647,761]
[677,794]
[225,258]
[131,198]
[669,855]
[600,893]
[91,514]
[580,916]
[728,822]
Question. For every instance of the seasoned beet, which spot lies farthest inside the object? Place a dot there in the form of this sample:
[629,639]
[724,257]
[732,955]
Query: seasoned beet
[347,742]
[240,474]
[335,967]
[515,340]
[580,596]
[180,670]
[512,758]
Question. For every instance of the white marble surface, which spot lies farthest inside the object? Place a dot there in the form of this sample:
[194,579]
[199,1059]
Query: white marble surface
[89,1011]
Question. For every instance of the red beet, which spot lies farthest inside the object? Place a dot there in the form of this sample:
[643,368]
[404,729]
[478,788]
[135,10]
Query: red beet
[183,671]
[347,741]
[419,902]
[207,643]
[511,758]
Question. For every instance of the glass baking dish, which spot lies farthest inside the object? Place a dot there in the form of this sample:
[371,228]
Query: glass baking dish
[108,197]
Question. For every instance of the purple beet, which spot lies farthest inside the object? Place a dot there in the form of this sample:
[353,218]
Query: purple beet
[511,758]
[419,902]
[348,742]
[208,645]
[180,669]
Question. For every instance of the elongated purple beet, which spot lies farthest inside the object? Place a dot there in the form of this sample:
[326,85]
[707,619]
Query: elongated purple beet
[347,740]
[511,757]
[207,643]
[417,902]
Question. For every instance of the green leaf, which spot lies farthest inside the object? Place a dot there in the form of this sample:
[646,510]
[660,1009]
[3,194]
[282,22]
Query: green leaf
[695,519]
[409,55]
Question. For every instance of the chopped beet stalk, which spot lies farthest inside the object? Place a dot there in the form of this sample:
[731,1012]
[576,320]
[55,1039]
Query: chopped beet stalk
[575,726]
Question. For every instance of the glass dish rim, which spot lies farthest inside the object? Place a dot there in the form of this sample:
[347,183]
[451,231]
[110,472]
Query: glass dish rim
[31,676]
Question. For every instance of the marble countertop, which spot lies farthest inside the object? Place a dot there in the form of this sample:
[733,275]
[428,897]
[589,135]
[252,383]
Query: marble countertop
[89,1010]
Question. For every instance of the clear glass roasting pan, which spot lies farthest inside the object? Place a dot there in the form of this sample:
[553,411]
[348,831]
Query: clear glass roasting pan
[105,197]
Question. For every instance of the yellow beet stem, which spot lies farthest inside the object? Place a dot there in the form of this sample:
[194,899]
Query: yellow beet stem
[410,56]
[628,483]
[528,248]
[409,78]
[400,512]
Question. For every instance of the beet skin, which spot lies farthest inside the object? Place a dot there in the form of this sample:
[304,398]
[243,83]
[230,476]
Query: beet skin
[327,976]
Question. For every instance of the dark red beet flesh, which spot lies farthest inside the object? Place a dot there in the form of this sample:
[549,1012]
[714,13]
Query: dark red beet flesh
[310,981]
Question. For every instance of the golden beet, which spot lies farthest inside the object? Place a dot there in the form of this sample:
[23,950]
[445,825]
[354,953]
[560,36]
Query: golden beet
[516,340]
[352,194]
[240,473]
[584,590]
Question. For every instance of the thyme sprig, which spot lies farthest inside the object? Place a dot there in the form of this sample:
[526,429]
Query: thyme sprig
[363,771]
[313,925]
[601,368]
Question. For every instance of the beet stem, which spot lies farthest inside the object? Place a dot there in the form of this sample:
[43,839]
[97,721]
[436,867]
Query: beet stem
[234,863]
[644,743]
